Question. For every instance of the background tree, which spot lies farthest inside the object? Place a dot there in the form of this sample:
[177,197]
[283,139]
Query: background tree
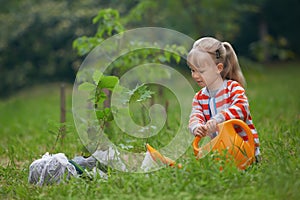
[36,36]
[36,40]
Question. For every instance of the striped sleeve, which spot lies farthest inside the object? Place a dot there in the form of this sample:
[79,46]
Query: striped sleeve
[196,116]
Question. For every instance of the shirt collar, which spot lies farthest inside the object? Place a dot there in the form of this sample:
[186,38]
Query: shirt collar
[206,92]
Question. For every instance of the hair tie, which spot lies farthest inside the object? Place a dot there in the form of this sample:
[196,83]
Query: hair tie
[218,55]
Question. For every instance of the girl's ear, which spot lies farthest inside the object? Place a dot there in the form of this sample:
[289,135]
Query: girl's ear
[220,67]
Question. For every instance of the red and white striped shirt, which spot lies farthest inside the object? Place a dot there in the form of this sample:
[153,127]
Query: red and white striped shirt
[229,102]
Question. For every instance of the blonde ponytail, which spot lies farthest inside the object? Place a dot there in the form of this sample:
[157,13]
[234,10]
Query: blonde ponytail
[232,69]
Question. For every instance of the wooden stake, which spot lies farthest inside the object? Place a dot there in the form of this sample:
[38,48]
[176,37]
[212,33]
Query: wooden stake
[62,111]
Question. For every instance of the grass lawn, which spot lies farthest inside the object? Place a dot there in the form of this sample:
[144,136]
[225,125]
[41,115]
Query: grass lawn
[29,118]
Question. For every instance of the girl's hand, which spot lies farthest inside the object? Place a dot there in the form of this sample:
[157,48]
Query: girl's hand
[211,126]
[201,131]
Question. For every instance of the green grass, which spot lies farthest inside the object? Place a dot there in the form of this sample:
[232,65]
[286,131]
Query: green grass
[27,117]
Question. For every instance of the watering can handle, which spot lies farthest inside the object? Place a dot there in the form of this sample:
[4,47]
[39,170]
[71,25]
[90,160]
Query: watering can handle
[234,122]
[246,129]
[196,144]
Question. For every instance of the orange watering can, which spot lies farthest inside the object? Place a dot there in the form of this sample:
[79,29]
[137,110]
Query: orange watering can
[230,143]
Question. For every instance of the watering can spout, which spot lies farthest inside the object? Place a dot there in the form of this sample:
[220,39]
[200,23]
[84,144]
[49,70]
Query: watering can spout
[158,157]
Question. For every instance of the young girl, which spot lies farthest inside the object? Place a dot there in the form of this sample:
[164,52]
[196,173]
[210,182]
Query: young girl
[214,66]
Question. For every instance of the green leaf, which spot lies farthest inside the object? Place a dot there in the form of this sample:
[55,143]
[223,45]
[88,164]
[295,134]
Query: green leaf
[101,97]
[108,114]
[105,115]
[140,93]
[100,114]
[108,82]
[97,76]
[145,95]
[106,111]
[86,86]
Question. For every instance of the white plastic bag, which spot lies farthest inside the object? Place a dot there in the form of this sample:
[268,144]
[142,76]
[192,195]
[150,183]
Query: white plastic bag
[86,163]
[111,157]
[148,163]
[50,169]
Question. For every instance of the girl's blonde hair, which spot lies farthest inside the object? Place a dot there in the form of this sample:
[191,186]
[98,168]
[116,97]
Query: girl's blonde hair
[220,52]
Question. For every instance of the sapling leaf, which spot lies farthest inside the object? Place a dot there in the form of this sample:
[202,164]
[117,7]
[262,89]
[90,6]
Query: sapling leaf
[108,114]
[108,82]
[110,117]
[101,97]
[145,95]
[97,76]
[100,114]
[86,86]
[106,111]
[140,93]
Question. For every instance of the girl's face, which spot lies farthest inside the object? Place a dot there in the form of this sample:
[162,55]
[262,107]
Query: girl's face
[205,72]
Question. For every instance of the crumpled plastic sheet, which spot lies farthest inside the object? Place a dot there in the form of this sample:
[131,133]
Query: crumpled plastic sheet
[86,163]
[148,163]
[53,168]
[111,157]
[50,169]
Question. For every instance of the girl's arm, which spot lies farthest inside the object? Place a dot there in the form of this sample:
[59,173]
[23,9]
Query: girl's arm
[196,117]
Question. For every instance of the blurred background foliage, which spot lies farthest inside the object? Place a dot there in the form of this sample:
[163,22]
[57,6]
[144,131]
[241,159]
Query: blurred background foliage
[36,36]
